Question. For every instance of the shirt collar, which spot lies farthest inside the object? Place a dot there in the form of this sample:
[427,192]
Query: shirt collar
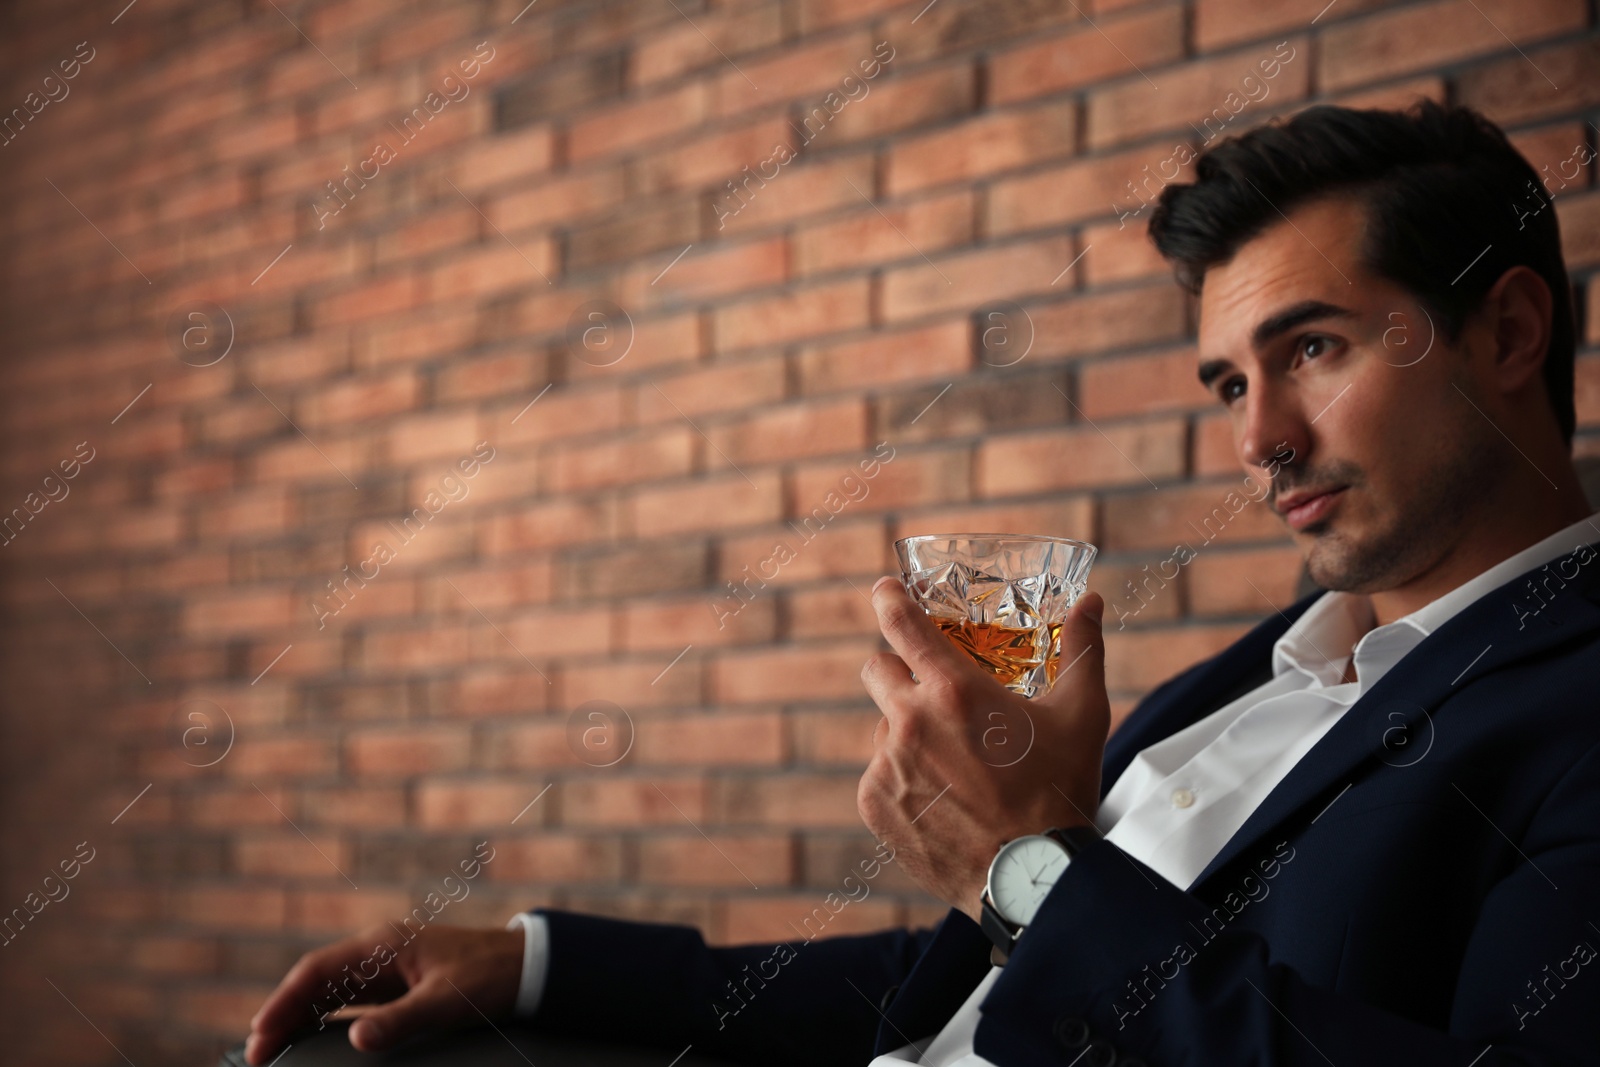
[1339,624]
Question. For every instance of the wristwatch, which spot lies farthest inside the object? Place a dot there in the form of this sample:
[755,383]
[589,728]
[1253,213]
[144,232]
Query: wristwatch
[1021,875]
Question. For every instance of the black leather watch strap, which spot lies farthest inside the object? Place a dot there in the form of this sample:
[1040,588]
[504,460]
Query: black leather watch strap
[1004,933]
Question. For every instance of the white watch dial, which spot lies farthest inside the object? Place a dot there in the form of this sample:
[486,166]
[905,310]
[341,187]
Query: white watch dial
[1023,873]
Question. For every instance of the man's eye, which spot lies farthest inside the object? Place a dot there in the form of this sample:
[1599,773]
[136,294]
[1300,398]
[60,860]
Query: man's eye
[1315,344]
[1225,390]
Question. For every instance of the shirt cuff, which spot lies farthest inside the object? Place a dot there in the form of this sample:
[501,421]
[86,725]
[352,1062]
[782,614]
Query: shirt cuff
[535,960]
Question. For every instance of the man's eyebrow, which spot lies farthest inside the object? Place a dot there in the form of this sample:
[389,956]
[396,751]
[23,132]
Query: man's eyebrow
[1273,326]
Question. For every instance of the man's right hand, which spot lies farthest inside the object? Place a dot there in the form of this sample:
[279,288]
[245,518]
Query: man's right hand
[444,977]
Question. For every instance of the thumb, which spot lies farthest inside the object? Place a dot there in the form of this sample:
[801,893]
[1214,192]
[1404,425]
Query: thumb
[432,1002]
[1083,651]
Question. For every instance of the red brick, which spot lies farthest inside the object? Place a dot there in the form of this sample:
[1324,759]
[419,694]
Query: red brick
[834,738]
[718,861]
[909,479]
[1445,31]
[1243,583]
[817,15]
[795,72]
[967,280]
[832,611]
[990,144]
[1139,660]
[703,40]
[714,158]
[386,753]
[807,189]
[670,679]
[261,758]
[842,546]
[1217,89]
[1534,83]
[288,855]
[243,611]
[422,33]
[229,907]
[498,265]
[888,105]
[506,689]
[356,399]
[1111,48]
[1164,518]
[562,412]
[715,740]
[1395,96]
[1557,154]
[1133,385]
[623,126]
[792,316]
[356,807]
[544,633]
[617,801]
[342,910]
[1112,454]
[562,198]
[719,501]
[382,296]
[662,625]
[719,271]
[643,457]
[795,431]
[736,385]
[1580,229]
[548,525]
[885,234]
[1090,188]
[792,674]
[555,859]
[942,350]
[800,800]
[451,804]
[1117,253]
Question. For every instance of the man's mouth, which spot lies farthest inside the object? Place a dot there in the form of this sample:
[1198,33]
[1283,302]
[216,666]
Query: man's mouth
[1304,507]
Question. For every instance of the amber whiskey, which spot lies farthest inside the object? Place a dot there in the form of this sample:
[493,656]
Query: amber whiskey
[1013,654]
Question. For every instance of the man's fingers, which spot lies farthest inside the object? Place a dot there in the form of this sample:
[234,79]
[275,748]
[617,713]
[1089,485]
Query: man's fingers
[884,674]
[909,630]
[1083,650]
[432,1003]
[302,996]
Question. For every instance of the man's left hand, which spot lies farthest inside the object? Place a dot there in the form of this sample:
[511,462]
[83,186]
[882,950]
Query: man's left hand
[961,764]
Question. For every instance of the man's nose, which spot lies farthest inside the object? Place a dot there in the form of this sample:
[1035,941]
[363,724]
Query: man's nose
[1275,431]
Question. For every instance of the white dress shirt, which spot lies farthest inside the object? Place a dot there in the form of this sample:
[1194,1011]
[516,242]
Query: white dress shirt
[1181,799]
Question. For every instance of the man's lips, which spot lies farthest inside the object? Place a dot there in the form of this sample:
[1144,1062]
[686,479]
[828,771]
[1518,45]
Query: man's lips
[1306,507]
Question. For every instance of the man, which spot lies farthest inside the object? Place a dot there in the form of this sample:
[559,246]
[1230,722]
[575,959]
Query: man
[1366,833]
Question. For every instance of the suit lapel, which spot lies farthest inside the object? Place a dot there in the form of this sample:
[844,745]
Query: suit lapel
[1394,718]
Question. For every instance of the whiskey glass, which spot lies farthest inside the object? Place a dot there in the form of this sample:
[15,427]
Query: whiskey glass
[1001,598]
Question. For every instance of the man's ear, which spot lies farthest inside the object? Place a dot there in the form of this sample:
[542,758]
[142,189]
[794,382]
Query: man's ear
[1518,310]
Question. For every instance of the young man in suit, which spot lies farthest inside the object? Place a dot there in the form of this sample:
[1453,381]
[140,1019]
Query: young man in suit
[1368,832]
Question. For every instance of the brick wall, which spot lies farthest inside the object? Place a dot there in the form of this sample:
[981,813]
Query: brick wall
[618,294]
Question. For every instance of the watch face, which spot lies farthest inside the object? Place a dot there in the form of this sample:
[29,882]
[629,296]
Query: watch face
[1022,875]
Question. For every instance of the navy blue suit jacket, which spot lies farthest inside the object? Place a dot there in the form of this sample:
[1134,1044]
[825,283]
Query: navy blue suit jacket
[1423,887]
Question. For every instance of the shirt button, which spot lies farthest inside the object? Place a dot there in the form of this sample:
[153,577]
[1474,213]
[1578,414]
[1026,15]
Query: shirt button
[1182,798]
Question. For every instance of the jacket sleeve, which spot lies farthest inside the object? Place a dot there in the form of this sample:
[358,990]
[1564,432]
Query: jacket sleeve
[1527,991]
[806,1001]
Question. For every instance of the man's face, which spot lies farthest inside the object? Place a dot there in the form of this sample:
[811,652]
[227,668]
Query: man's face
[1310,352]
